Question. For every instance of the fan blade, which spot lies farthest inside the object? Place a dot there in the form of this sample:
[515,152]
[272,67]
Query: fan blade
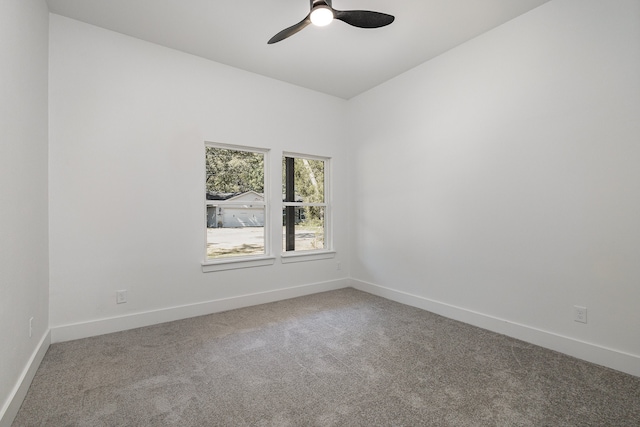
[363,18]
[288,32]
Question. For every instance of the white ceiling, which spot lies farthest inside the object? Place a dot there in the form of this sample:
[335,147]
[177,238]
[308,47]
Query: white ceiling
[339,59]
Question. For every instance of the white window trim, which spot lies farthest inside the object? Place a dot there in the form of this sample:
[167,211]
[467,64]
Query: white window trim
[328,251]
[294,256]
[237,262]
[231,263]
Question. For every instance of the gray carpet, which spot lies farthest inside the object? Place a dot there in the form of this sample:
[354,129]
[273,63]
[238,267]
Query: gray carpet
[340,358]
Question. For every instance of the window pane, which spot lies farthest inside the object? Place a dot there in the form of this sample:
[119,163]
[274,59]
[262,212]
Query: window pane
[308,180]
[235,231]
[232,172]
[307,228]
[236,204]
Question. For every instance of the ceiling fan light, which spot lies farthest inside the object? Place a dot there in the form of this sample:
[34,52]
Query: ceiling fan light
[321,16]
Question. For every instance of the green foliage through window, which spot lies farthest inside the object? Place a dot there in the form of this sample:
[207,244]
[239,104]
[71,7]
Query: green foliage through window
[234,171]
[308,179]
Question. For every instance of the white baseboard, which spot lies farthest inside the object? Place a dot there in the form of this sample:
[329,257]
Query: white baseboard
[593,353]
[17,395]
[137,320]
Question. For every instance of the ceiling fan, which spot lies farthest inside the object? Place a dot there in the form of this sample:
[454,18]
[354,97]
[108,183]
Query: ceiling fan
[322,13]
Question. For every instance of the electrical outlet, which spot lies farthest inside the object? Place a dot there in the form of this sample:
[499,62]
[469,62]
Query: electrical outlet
[30,327]
[121,296]
[580,314]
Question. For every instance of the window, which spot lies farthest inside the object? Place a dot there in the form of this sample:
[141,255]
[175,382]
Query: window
[305,210]
[236,201]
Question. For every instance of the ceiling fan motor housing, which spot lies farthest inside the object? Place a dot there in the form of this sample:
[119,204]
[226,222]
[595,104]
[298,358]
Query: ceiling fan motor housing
[315,3]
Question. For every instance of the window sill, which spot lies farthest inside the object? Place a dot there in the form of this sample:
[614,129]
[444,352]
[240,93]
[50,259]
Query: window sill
[232,264]
[306,256]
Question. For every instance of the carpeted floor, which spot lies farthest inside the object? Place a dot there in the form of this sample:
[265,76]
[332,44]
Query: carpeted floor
[339,358]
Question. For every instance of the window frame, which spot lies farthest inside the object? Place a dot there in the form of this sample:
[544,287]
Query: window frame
[235,262]
[328,250]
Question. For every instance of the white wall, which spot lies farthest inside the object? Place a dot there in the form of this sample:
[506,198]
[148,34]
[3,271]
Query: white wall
[128,121]
[515,159]
[23,191]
